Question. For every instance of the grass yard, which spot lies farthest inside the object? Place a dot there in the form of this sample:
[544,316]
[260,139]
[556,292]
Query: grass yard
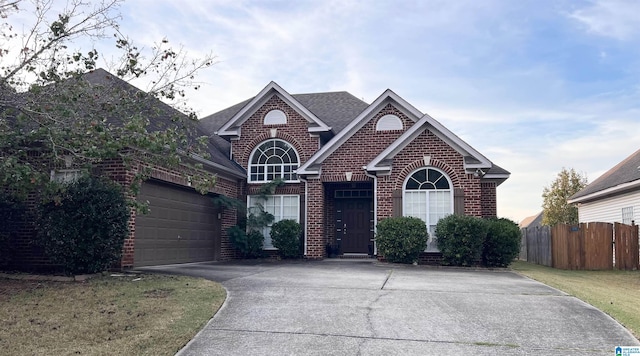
[144,314]
[617,293]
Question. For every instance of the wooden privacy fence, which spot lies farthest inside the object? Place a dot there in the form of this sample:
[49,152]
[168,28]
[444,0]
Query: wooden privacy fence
[592,246]
[535,246]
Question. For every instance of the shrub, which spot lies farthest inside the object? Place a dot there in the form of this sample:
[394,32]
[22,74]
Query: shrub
[84,230]
[285,236]
[460,239]
[401,239]
[11,216]
[249,244]
[502,243]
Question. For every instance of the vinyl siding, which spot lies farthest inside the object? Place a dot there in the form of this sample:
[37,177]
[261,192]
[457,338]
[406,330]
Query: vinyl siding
[610,209]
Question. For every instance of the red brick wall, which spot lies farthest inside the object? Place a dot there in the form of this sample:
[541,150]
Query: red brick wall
[295,132]
[443,157]
[488,199]
[316,229]
[361,148]
[254,131]
[29,256]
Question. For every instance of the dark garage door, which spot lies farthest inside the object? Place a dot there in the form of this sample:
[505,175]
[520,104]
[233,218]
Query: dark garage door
[181,227]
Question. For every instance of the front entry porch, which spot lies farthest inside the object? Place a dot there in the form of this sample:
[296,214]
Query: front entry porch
[350,219]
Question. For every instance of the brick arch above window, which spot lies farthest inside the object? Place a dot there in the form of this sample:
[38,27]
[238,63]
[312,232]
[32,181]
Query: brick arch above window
[267,136]
[413,166]
[273,159]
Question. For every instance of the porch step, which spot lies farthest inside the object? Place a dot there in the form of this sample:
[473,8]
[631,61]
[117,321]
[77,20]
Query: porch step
[355,256]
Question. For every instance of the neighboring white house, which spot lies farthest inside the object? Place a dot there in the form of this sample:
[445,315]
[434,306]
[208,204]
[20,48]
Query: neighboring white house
[614,196]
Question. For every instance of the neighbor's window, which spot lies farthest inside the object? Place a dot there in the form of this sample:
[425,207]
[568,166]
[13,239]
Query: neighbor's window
[280,206]
[627,215]
[275,117]
[273,159]
[428,195]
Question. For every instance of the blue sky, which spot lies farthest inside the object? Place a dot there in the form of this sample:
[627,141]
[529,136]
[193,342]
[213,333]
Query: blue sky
[533,85]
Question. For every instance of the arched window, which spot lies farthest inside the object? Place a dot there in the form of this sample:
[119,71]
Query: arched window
[428,195]
[275,117]
[388,123]
[273,159]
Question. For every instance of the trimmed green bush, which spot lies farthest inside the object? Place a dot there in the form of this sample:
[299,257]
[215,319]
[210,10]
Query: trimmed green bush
[460,239]
[12,212]
[84,230]
[249,244]
[502,243]
[401,239]
[285,236]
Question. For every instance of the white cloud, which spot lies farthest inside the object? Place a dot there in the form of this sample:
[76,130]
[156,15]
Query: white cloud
[611,18]
[505,76]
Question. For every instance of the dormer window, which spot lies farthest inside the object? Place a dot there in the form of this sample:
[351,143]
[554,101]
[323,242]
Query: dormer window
[389,123]
[275,117]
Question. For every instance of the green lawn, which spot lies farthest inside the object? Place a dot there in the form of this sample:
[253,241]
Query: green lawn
[617,293]
[125,315]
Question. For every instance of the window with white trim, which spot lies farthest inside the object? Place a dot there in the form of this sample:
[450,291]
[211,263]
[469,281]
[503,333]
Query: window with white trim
[271,160]
[389,122]
[282,207]
[428,195]
[627,215]
[275,117]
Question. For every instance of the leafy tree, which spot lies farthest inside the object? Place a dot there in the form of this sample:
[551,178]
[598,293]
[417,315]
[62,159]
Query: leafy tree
[56,112]
[556,210]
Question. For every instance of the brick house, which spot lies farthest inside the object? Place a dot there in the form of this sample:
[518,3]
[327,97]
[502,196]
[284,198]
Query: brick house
[348,164]
[182,225]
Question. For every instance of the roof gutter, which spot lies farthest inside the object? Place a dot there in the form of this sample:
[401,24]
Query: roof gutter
[620,188]
[211,164]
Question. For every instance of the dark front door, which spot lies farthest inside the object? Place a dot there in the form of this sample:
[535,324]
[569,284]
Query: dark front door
[353,225]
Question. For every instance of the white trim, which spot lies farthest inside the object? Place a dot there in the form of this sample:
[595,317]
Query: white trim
[275,117]
[253,152]
[232,127]
[426,191]
[440,131]
[375,210]
[212,164]
[389,122]
[306,213]
[355,125]
[281,196]
[620,188]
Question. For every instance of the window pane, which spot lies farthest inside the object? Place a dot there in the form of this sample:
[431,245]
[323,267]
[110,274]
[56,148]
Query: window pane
[273,153]
[415,205]
[442,183]
[280,206]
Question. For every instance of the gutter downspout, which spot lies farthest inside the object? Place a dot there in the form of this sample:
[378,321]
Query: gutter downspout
[306,214]
[375,207]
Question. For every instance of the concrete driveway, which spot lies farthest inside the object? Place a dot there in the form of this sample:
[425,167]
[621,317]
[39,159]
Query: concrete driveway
[338,307]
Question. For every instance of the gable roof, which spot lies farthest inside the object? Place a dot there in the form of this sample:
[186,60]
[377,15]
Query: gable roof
[382,162]
[312,166]
[161,116]
[232,127]
[623,177]
[531,221]
[336,109]
[473,158]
